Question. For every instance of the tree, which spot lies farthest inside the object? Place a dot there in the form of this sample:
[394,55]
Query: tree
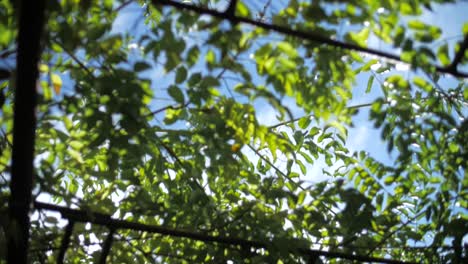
[155,133]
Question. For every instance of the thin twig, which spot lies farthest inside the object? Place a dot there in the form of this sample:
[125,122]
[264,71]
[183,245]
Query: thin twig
[389,235]
[460,54]
[263,12]
[180,106]
[274,167]
[311,115]
[123,5]
[74,58]
[444,94]
[179,161]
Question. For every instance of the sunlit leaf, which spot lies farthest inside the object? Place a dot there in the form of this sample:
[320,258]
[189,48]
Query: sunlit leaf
[56,83]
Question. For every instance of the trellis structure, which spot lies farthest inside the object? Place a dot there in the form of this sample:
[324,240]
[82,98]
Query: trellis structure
[30,31]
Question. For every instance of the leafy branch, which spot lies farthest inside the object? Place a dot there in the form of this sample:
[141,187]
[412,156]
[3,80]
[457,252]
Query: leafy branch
[75,59]
[389,235]
[311,36]
[274,167]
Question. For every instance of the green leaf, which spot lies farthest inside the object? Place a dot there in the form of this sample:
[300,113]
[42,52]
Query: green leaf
[176,93]
[454,148]
[288,49]
[302,167]
[443,55]
[399,35]
[423,84]
[389,180]
[416,25]
[301,197]
[369,84]
[181,74]
[43,68]
[242,10]
[359,38]
[75,155]
[56,83]
[367,66]
[77,145]
[192,56]
[465,29]
[210,58]
[141,66]
[172,61]
[209,82]
[304,122]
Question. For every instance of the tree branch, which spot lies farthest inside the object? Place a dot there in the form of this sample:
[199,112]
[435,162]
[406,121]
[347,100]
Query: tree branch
[315,37]
[459,55]
[108,221]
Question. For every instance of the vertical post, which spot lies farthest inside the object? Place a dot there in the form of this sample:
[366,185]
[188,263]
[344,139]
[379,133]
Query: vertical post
[107,246]
[65,242]
[31,20]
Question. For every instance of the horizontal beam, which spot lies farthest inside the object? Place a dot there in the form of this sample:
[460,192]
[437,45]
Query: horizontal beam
[86,216]
[310,36]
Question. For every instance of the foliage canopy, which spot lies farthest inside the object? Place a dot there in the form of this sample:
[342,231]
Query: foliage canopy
[163,122]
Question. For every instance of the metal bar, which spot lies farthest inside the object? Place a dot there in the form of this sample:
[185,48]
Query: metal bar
[31,21]
[115,224]
[65,242]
